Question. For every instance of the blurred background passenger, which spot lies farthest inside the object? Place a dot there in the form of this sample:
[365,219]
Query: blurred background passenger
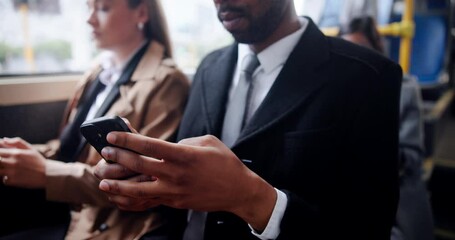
[331,13]
[414,219]
[134,78]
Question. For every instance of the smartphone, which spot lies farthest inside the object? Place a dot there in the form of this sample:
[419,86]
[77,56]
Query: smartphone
[96,130]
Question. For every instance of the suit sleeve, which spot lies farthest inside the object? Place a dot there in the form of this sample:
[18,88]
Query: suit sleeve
[411,129]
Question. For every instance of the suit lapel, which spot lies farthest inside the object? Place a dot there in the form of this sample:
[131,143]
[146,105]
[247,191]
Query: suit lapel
[297,81]
[215,81]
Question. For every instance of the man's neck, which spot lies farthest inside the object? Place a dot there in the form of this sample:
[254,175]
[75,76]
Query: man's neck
[288,26]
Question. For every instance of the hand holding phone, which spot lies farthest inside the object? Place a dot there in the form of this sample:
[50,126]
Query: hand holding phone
[96,130]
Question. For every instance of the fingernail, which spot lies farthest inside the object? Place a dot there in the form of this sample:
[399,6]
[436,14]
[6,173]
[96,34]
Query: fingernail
[104,186]
[107,152]
[111,137]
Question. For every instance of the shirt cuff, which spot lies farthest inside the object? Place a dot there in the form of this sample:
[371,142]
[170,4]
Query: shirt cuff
[272,230]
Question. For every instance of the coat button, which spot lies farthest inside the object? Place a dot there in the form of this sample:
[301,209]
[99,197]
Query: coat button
[103,227]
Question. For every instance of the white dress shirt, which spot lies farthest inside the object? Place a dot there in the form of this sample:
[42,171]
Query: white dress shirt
[108,76]
[272,60]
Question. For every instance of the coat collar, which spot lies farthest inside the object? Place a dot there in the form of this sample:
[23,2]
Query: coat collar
[145,70]
[148,66]
[296,82]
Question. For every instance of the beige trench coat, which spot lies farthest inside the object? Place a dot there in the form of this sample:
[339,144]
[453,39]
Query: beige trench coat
[153,102]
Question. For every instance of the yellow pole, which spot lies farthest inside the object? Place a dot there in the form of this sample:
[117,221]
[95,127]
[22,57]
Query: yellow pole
[405,29]
[406,39]
[28,50]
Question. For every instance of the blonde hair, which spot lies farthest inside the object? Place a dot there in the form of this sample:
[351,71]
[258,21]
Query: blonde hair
[156,27]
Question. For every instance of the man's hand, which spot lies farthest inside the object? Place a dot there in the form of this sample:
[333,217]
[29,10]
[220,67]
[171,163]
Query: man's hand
[197,173]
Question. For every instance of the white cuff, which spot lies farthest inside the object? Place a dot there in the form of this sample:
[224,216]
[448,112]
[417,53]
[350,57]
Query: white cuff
[272,230]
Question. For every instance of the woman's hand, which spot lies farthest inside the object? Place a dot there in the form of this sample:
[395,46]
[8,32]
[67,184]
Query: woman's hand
[21,165]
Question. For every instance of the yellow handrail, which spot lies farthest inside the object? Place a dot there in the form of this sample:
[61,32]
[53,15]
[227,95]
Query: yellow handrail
[405,29]
[408,34]
[28,50]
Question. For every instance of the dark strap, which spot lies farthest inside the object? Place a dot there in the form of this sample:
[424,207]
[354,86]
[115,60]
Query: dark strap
[114,93]
[70,136]
[124,78]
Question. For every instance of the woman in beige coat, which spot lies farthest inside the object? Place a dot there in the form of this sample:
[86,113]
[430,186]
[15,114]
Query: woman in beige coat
[141,84]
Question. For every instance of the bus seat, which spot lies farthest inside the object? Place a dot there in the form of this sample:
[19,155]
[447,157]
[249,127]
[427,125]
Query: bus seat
[428,54]
[428,65]
[437,4]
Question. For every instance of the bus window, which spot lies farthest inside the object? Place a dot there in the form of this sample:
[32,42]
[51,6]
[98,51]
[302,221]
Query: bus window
[43,36]
[51,36]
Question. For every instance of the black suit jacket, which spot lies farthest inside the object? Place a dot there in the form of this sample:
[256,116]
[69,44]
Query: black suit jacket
[326,134]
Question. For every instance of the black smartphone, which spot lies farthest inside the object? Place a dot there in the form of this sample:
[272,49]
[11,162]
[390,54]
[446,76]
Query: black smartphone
[96,130]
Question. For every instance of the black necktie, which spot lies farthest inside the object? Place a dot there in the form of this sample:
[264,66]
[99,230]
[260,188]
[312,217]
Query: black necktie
[70,137]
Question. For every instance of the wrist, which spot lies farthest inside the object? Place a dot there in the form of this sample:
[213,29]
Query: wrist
[258,204]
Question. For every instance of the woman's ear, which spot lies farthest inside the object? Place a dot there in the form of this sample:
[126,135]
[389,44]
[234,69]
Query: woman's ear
[142,13]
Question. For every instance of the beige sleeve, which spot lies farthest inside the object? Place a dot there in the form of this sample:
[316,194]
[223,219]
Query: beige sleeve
[73,183]
[49,149]
[76,182]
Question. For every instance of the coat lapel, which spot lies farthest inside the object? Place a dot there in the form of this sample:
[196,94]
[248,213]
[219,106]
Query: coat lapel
[145,70]
[215,81]
[124,79]
[298,80]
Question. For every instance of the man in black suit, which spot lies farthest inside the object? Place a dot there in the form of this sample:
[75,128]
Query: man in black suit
[316,156]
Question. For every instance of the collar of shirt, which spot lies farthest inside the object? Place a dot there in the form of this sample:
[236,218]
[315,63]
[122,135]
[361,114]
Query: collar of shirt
[276,54]
[272,60]
[111,73]
[109,76]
